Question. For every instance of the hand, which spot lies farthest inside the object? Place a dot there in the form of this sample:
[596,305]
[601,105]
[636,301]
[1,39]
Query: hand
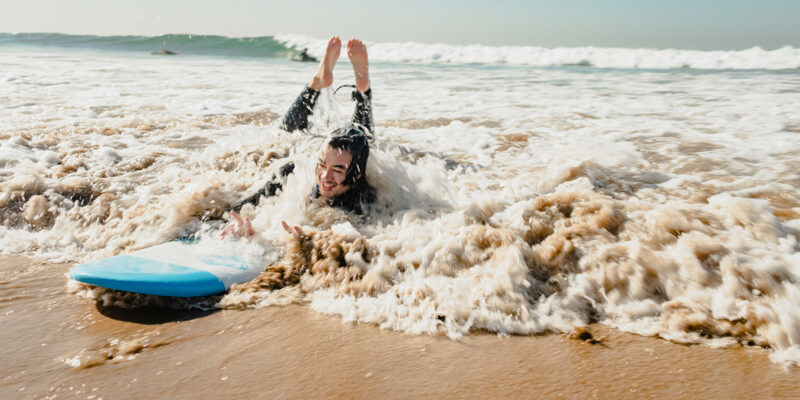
[240,227]
[291,229]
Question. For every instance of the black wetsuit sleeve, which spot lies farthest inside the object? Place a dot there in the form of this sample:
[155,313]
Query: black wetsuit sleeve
[296,117]
[363,112]
[270,189]
[253,199]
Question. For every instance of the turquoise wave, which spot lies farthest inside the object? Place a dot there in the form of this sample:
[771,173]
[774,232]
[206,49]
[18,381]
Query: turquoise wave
[263,46]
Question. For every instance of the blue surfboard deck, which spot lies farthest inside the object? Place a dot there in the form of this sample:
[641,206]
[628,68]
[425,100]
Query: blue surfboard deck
[179,269]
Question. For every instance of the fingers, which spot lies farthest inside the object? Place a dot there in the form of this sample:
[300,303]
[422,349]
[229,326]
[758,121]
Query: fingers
[226,231]
[243,227]
[240,227]
[232,230]
[291,229]
[248,227]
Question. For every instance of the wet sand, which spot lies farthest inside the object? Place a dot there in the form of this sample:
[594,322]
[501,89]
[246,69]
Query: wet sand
[59,345]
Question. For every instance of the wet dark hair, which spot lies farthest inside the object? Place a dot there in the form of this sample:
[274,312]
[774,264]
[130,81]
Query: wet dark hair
[354,140]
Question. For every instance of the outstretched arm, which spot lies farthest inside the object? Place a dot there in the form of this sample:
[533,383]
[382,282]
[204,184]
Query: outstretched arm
[270,189]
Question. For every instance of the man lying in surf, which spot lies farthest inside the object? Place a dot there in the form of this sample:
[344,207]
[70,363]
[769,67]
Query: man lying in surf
[341,167]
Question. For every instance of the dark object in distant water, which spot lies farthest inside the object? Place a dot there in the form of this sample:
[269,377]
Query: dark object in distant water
[164,52]
[304,57]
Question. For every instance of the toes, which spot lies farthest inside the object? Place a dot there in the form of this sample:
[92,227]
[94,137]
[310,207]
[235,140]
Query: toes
[355,45]
[335,43]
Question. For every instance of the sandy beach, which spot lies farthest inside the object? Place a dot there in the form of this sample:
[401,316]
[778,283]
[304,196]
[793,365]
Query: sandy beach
[294,352]
[521,194]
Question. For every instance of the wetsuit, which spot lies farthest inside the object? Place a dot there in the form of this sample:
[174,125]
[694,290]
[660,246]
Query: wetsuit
[295,119]
[304,57]
[297,116]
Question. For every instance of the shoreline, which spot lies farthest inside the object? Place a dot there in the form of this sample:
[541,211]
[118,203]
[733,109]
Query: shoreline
[293,352]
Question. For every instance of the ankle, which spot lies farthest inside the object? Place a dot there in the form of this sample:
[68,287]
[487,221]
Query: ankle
[316,83]
[362,87]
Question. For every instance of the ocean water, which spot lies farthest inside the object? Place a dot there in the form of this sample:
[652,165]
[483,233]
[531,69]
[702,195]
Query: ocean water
[521,190]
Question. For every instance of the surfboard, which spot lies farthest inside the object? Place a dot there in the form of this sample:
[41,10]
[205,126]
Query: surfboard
[179,269]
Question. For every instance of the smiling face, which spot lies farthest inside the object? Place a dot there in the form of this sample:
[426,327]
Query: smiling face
[331,170]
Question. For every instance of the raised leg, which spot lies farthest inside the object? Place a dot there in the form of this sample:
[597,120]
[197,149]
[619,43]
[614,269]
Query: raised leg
[357,52]
[324,76]
[296,117]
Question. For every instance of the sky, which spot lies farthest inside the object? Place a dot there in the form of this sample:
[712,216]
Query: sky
[698,24]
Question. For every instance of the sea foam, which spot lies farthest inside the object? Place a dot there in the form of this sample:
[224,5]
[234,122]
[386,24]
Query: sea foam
[601,57]
[513,200]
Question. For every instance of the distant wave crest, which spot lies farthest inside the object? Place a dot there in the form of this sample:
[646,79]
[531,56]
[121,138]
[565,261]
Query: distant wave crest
[284,46]
[600,57]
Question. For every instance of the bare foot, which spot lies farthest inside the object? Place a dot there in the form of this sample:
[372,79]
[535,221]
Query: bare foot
[357,51]
[324,76]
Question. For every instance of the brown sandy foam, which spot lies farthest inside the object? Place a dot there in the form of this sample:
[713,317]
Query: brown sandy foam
[292,352]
